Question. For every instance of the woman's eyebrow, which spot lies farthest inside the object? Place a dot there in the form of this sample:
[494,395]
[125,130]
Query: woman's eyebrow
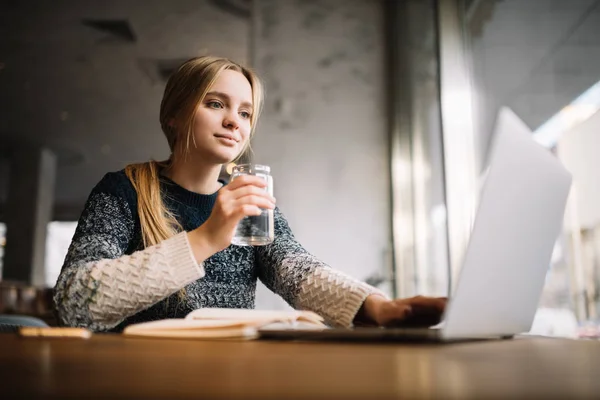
[225,96]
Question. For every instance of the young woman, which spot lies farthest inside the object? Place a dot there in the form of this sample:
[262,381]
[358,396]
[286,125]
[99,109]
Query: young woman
[154,239]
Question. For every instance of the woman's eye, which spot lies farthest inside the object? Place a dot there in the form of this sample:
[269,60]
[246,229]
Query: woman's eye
[245,114]
[214,104]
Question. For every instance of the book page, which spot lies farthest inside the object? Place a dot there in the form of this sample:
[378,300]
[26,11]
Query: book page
[257,316]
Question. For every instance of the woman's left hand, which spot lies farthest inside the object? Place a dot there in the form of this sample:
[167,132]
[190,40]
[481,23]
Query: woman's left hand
[414,311]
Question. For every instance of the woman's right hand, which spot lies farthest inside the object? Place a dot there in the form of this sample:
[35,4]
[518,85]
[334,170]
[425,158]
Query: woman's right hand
[243,196]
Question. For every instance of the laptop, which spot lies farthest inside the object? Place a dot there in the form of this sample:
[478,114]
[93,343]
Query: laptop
[519,217]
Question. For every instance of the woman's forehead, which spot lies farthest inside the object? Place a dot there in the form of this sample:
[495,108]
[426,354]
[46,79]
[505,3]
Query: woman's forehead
[233,84]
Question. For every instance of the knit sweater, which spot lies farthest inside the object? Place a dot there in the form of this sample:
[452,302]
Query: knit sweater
[109,280]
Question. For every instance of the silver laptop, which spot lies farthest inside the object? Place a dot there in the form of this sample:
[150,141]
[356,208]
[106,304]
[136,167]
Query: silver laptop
[519,218]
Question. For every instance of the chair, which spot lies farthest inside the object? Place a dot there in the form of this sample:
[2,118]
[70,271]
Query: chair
[12,323]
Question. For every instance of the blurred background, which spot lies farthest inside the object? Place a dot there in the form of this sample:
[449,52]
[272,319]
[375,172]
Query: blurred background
[377,124]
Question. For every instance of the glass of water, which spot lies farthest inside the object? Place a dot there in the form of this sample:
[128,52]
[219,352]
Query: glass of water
[255,230]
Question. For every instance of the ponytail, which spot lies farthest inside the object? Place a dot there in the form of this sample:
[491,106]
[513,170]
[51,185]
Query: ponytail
[157,223]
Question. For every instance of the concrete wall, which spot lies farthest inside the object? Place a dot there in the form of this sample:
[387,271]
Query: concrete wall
[91,96]
[323,130]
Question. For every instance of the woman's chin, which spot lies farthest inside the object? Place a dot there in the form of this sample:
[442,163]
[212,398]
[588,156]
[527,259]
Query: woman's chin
[223,157]
[216,155]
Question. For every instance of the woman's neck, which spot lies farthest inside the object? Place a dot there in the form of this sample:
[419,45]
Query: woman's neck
[195,176]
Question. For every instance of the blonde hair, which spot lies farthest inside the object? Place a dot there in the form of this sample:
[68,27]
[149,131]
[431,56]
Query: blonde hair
[185,90]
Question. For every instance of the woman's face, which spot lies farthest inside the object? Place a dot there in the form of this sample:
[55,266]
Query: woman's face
[222,120]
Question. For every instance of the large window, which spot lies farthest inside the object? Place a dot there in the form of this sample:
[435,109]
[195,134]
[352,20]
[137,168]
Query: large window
[58,239]
[57,244]
[540,59]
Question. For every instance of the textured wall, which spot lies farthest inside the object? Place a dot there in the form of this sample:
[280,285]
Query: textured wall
[323,130]
[92,96]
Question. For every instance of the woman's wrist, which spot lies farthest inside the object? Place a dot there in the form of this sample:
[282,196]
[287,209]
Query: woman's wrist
[369,310]
[202,247]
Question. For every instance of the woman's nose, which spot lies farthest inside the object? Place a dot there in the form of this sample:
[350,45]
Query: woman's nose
[231,121]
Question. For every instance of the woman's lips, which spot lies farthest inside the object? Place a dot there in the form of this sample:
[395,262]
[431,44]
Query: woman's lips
[226,139]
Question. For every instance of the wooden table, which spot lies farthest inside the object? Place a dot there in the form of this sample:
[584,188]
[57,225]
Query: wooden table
[111,366]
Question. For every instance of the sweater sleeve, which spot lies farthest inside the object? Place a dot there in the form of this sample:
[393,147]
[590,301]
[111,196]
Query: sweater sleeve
[99,285]
[305,282]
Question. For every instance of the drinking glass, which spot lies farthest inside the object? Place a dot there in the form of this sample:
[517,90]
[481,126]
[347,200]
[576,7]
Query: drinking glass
[255,230]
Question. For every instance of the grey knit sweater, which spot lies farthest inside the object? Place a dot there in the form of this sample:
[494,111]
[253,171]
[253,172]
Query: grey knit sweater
[109,280]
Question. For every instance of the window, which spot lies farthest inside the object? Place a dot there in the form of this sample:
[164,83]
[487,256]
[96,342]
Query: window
[58,239]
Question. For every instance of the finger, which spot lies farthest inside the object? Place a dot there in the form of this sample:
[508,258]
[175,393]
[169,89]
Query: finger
[418,320]
[253,200]
[443,301]
[248,210]
[251,190]
[428,303]
[419,312]
[244,180]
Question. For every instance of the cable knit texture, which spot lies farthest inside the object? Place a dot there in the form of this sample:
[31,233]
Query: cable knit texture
[109,280]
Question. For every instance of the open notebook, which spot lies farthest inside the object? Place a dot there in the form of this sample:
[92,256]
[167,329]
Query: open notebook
[224,323]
